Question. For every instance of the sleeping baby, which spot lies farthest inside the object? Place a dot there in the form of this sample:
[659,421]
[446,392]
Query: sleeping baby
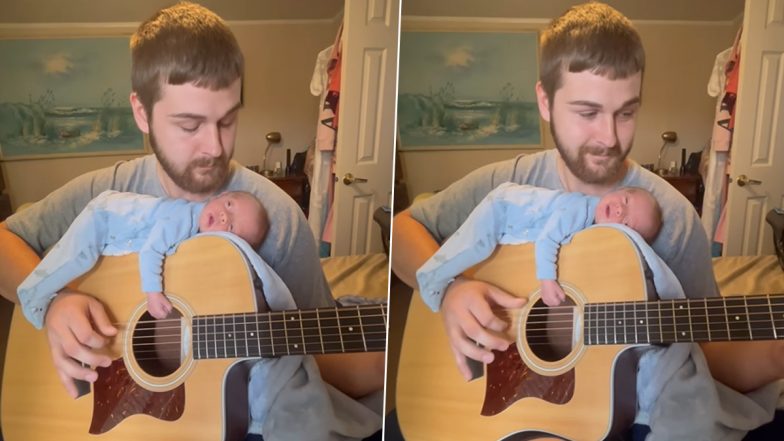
[116,223]
[515,213]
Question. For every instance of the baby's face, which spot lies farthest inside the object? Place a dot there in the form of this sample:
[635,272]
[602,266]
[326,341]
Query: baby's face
[238,213]
[631,207]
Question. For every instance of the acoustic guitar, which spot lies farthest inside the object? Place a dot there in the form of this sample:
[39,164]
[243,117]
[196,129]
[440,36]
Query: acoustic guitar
[174,378]
[570,372]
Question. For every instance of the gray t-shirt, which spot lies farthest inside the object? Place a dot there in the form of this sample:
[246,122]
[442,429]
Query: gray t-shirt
[682,242]
[289,247]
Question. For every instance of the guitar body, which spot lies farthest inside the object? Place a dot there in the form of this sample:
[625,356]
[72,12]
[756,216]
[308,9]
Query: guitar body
[187,401]
[580,393]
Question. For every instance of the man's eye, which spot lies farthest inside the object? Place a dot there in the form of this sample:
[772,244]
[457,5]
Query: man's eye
[190,129]
[587,115]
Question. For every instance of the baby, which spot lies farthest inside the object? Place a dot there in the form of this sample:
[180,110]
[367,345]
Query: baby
[116,223]
[514,213]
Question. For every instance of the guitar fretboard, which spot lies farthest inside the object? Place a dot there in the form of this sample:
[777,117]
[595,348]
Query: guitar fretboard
[738,318]
[273,334]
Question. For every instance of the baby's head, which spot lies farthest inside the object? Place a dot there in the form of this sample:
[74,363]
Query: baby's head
[631,206]
[238,212]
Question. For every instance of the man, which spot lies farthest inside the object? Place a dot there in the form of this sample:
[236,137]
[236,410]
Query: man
[592,63]
[187,72]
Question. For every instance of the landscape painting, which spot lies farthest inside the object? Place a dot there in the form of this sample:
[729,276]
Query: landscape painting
[468,90]
[61,97]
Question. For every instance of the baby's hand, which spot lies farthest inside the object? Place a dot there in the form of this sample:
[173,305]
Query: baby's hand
[158,305]
[552,293]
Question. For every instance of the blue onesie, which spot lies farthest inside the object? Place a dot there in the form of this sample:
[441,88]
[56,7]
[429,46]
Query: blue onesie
[116,223]
[511,213]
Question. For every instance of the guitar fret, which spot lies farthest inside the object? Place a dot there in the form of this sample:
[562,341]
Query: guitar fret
[738,319]
[748,317]
[707,319]
[772,320]
[310,332]
[688,315]
[321,336]
[634,323]
[761,323]
[682,321]
[340,330]
[661,324]
[349,323]
[258,334]
[302,332]
[726,319]
[361,329]
[271,334]
[654,322]
[699,321]
[245,335]
[641,323]
[628,317]
[286,333]
[777,311]
[233,335]
[615,322]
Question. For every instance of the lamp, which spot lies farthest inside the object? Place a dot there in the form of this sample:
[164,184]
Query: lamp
[667,137]
[272,138]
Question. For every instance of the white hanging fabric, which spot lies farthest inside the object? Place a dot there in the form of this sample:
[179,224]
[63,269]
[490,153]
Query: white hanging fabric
[326,83]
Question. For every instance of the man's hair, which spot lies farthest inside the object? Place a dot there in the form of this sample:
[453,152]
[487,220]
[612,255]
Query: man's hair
[184,43]
[593,37]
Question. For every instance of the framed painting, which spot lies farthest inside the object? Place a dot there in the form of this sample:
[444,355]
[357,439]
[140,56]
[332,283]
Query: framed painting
[472,89]
[66,96]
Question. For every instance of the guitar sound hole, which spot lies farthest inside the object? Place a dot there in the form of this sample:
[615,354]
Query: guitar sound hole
[157,344]
[549,330]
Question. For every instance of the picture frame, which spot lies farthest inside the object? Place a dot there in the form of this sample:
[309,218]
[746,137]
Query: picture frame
[65,92]
[468,86]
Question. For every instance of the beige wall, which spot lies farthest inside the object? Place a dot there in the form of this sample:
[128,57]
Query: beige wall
[680,58]
[280,56]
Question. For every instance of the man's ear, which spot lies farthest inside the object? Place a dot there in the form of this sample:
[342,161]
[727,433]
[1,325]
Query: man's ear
[139,114]
[542,101]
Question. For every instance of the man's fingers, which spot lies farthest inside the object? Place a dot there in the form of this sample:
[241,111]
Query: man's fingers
[504,299]
[101,320]
[461,362]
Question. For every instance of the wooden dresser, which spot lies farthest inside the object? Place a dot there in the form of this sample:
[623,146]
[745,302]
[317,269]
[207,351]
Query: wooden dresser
[296,186]
[690,186]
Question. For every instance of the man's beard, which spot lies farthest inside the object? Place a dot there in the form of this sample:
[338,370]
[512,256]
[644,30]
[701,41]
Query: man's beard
[188,179]
[578,164]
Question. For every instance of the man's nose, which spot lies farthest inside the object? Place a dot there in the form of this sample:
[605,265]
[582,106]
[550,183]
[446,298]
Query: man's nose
[606,133]
[212,144]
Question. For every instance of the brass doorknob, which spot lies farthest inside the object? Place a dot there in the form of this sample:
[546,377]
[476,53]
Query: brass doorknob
[349,179]
[744,180]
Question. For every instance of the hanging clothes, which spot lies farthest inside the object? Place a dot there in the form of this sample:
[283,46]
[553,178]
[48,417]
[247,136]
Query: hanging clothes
[326,83]
[724,85]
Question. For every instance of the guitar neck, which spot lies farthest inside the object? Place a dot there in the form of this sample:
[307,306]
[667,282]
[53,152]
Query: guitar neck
[737,318]
[293,332]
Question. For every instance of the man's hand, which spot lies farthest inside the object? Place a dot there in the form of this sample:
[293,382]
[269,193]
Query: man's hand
[552,293]
[77,325]
[472,326]
[158,305]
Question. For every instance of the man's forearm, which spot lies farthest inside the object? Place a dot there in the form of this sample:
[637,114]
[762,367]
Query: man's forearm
[17,260]
[356,374]
[412,245]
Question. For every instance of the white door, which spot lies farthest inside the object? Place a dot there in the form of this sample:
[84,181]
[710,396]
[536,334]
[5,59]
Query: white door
[758,141]
[366,131]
